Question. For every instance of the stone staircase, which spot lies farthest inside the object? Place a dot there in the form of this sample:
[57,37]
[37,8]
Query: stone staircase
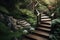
[42,31]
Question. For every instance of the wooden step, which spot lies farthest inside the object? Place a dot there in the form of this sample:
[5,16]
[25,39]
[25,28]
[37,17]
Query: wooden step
[42,14]
[45,34]
[24,38]
[44,29]
[45,25]
[46,22]
[45,19]
[36,37]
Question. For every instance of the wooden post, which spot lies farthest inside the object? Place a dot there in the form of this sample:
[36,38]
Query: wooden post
[38,17]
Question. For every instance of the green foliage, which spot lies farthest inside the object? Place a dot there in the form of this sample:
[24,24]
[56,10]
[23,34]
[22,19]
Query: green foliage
[4,31]
[31,17]
[56,30]
[6,34]
[27,12]
[42,8]
[3,9]
[15,14]
[16,11]
[32,21]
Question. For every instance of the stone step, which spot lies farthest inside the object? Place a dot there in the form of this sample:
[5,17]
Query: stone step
[24,23]
[36,37]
